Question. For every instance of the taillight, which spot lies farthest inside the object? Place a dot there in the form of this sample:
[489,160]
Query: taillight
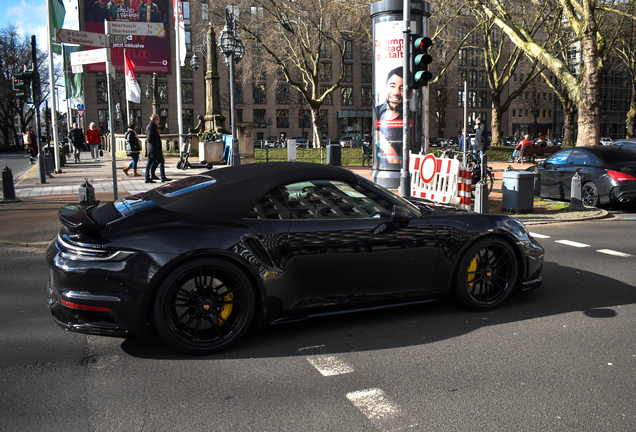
[68,304]
[620,176]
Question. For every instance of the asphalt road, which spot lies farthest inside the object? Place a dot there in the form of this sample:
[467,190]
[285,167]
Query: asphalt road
[560,358]
[18,163]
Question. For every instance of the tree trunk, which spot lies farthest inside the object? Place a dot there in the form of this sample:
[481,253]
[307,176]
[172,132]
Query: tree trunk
[631,116]
[317,126]
[495,122]
[589,103]
[568,127]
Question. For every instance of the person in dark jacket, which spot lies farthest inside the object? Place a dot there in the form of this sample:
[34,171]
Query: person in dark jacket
[155,152]
[76,138]
[479,144]
[133,149]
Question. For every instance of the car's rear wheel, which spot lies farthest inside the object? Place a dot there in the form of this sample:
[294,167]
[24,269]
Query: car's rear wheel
[486,275]
[203,306]
[589,195]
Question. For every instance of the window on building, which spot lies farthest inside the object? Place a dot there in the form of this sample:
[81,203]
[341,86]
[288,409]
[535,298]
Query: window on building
[325,49]
[163,119]
[188,40]
[259,118]
[304,118]
[187,93]
[460,98]
[102,92]
[550,114]
[324,120]
[186,70]
[348,49]
[325,71]
[472,78]
[367,96]
[185,9]
[162,88]
[282,118]
[348,73]
[463,61]
[137,120]
[483,80]
[463,75]
[474,57]
[514,113]
[239,92]
[239,115]
[188,119]
[366,73]
[282,94]
[346,96]
[483,99]
[472,99]
[327,100]
[259,91]
[366,50]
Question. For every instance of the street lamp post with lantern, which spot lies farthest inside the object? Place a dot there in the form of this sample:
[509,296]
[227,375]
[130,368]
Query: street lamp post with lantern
[231,45]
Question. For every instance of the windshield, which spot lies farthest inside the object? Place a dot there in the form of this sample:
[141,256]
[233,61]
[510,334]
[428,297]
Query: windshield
[619,154]
[409,205]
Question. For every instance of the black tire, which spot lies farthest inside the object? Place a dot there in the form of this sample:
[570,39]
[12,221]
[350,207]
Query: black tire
[179,164]
[204,306]
[486,274]
[476,176]
[589,195]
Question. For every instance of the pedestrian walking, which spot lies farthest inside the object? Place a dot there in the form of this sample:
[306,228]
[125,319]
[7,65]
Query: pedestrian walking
[480,145]
[133,149]
[155,152]
[94,141]
[76,138]
[30,145]
[462,147]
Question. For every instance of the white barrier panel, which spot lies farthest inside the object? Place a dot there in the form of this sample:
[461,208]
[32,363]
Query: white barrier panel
[435,179]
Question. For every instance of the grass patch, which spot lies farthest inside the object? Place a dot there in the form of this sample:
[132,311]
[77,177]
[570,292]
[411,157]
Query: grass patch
[554,205]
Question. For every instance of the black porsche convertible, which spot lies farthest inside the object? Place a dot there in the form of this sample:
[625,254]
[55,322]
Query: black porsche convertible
[204,257]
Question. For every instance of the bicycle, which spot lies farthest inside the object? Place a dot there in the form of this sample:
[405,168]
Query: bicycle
[474,168]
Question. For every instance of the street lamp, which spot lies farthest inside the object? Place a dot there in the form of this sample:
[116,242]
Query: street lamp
[152,90]
[231,45]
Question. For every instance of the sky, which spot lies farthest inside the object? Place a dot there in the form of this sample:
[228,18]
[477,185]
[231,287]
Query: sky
[29,17]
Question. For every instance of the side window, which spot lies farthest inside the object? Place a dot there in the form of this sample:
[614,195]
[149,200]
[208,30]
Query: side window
[579,158]
[333,200]
[560,157]
[272,206]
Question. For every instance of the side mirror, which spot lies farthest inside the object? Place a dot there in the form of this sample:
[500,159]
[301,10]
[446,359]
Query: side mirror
[400,215]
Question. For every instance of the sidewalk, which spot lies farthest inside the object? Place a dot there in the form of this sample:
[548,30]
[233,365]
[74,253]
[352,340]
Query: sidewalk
[33,220]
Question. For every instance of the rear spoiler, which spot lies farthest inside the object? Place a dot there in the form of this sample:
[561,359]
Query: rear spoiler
[76,218]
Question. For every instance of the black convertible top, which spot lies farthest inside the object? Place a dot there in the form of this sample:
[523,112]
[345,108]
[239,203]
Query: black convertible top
[226,194]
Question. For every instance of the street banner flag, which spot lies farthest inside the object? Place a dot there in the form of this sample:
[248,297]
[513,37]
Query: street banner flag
[133,91]
[58,12]
[178,12]
[72,81]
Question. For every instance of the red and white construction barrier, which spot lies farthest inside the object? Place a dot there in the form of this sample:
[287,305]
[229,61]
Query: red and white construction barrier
[440,179]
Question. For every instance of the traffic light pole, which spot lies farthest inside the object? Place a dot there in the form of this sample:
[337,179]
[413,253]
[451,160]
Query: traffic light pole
[35,90]
[111,117]
[405,180]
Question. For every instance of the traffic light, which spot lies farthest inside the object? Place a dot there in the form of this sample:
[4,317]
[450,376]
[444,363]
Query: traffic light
[22,85]
[420,61]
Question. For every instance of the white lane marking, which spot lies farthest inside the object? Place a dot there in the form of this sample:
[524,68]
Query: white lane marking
[539,235]
[615,253]
[330,365]
[375,404]
[571,243]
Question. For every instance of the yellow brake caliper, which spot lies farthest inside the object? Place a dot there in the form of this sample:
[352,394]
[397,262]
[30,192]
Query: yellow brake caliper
[470,271]
[226,310]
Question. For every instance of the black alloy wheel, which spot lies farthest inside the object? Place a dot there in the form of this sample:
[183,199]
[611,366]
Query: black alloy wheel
[589,195]
[486,274]
[203,306]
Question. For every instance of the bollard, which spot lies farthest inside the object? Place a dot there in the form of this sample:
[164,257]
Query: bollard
[86,193]
[537,184]
[8,189]
[575,192]
[481,197]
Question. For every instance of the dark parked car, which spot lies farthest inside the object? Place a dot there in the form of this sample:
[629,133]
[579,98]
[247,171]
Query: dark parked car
[204,257]
[436,142]
[452,142]
[608,174]
[627,143]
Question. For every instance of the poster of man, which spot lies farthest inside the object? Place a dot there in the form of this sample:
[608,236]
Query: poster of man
[389,93]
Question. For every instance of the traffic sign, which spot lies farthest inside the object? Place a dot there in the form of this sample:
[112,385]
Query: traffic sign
[80,37]
[136,28]
[81,113]
[89,57]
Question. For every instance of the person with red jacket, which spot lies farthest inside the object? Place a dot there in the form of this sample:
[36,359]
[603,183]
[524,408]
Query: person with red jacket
[525,142]
[94,141]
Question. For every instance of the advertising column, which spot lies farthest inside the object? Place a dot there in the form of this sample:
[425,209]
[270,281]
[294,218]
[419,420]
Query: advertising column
[389,83]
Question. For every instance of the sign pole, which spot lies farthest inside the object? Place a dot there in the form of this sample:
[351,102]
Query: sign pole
[405,180]
[111,117]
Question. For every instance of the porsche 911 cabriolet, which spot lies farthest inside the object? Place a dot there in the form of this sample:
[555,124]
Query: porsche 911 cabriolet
[203,258]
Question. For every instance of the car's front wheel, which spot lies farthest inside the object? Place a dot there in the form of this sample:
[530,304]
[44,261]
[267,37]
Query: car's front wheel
[203,306]
[486,274]
[589,195]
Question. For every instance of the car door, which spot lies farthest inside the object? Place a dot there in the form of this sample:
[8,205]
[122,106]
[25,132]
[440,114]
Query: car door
[343,242]
[579,160]
[551,175]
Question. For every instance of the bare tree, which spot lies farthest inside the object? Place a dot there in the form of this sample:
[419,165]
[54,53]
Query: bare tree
[293,39]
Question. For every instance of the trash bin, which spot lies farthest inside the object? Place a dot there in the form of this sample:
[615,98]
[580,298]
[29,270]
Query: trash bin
[518,192]
[334,154]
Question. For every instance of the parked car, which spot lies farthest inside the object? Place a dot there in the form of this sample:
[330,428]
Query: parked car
[606,141]
[608,174]
[510,141]
[347,141]
[202,258]
[436,142]
[627,143]
[452,142]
